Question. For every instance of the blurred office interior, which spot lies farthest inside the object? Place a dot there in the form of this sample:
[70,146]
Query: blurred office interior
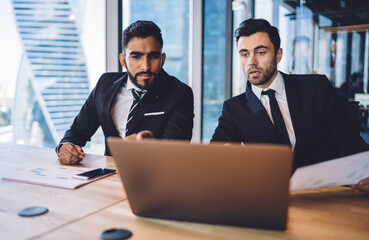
[55,51]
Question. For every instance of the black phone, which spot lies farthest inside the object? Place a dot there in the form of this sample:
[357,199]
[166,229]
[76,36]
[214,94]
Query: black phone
[98,172]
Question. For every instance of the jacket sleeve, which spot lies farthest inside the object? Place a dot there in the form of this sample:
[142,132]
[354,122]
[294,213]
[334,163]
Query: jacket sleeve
[180,122]
[85,124]
[225,131]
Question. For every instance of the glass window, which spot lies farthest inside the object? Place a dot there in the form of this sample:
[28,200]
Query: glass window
[287,33]
[264,9]
[317,36]
[325,61]
[213,65]
[48,78]
[303,42]
[366,63]
[11,53]
[173,19]
[242,10]
[341,59]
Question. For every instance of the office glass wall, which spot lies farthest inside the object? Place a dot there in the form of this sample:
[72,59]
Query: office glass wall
[321,36]
[242,10]
[214,65]
[331,42]
[52,60]
[173,19]
[46,77]
[176,45]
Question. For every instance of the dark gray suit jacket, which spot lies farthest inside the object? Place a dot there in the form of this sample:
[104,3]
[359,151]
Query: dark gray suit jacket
[167,95]
[318,116]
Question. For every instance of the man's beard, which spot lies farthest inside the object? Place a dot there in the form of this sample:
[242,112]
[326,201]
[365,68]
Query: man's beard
[267,74]
[135,82]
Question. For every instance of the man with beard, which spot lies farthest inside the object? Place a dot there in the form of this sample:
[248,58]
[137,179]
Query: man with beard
[303,111]
[142,102]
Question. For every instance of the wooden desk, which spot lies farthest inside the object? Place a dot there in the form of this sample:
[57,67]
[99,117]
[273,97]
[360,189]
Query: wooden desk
[65,206]
[331,213]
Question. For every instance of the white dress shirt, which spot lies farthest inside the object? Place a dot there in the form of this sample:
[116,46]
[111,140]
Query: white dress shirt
[280,94]
[122,104]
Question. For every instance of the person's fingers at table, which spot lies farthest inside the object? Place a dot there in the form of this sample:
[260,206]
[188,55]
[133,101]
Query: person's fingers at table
[146,134]
[69,154]
[362,185]
[81,153]
[131,137]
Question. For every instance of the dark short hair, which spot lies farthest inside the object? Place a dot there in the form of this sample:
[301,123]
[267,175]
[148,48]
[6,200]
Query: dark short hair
[251,26]
[141,29]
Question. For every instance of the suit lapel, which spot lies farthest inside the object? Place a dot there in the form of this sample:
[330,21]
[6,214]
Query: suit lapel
[141,108]
[292,92]
[258,109]
[109,99]
[152,95]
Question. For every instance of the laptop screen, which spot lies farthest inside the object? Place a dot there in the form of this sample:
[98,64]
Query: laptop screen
[211,183]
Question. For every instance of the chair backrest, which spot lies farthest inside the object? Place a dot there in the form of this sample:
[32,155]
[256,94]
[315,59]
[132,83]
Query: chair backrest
[352,108]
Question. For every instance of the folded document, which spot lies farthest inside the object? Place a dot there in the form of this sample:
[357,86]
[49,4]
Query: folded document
[54,176]
[340,171]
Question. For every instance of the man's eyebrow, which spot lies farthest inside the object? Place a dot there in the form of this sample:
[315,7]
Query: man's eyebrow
[155,53]
[243,50]
[135,53]
[256,48]
[261,46]
[141,53]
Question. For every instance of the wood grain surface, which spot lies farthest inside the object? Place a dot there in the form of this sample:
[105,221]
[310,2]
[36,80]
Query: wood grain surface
[329,213]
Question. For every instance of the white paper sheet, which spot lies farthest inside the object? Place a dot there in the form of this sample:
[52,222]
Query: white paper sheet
[340,171]
[54,176]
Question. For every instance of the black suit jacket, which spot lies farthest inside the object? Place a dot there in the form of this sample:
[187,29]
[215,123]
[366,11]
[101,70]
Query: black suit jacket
[319,119]
[167,95]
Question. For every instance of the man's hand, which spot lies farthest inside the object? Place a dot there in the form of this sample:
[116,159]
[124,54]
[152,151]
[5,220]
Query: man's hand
[146,134]
[70,154]
[362,185]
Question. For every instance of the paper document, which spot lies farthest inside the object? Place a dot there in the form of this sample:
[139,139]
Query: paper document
[340,171]
[54,176]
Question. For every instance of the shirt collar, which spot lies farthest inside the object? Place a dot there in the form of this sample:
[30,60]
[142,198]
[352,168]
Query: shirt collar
[277,85]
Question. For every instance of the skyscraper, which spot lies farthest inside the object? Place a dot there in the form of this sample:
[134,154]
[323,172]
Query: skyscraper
[52,82]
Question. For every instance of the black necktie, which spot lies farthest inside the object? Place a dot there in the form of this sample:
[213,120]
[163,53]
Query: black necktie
[137,97]
[277,117]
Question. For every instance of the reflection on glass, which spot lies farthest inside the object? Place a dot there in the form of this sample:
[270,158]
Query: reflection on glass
[287,34]
[341,59]
[53,82]
[355,53]
[366,63]
[51,78]
[326,60]
[303,43]
[242,10]
[264,9]
[172,18]
[213,65]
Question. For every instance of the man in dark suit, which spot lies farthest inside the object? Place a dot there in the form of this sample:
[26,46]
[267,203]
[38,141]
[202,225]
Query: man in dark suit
[303,111]
[142,102]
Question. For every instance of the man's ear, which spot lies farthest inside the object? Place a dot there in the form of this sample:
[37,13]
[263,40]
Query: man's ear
[122,59]
[163,57]
[279,55]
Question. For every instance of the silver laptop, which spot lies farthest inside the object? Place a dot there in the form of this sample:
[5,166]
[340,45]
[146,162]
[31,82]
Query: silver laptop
[209,183]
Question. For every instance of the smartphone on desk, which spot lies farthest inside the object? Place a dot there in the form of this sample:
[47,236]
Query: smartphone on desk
[98,172]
